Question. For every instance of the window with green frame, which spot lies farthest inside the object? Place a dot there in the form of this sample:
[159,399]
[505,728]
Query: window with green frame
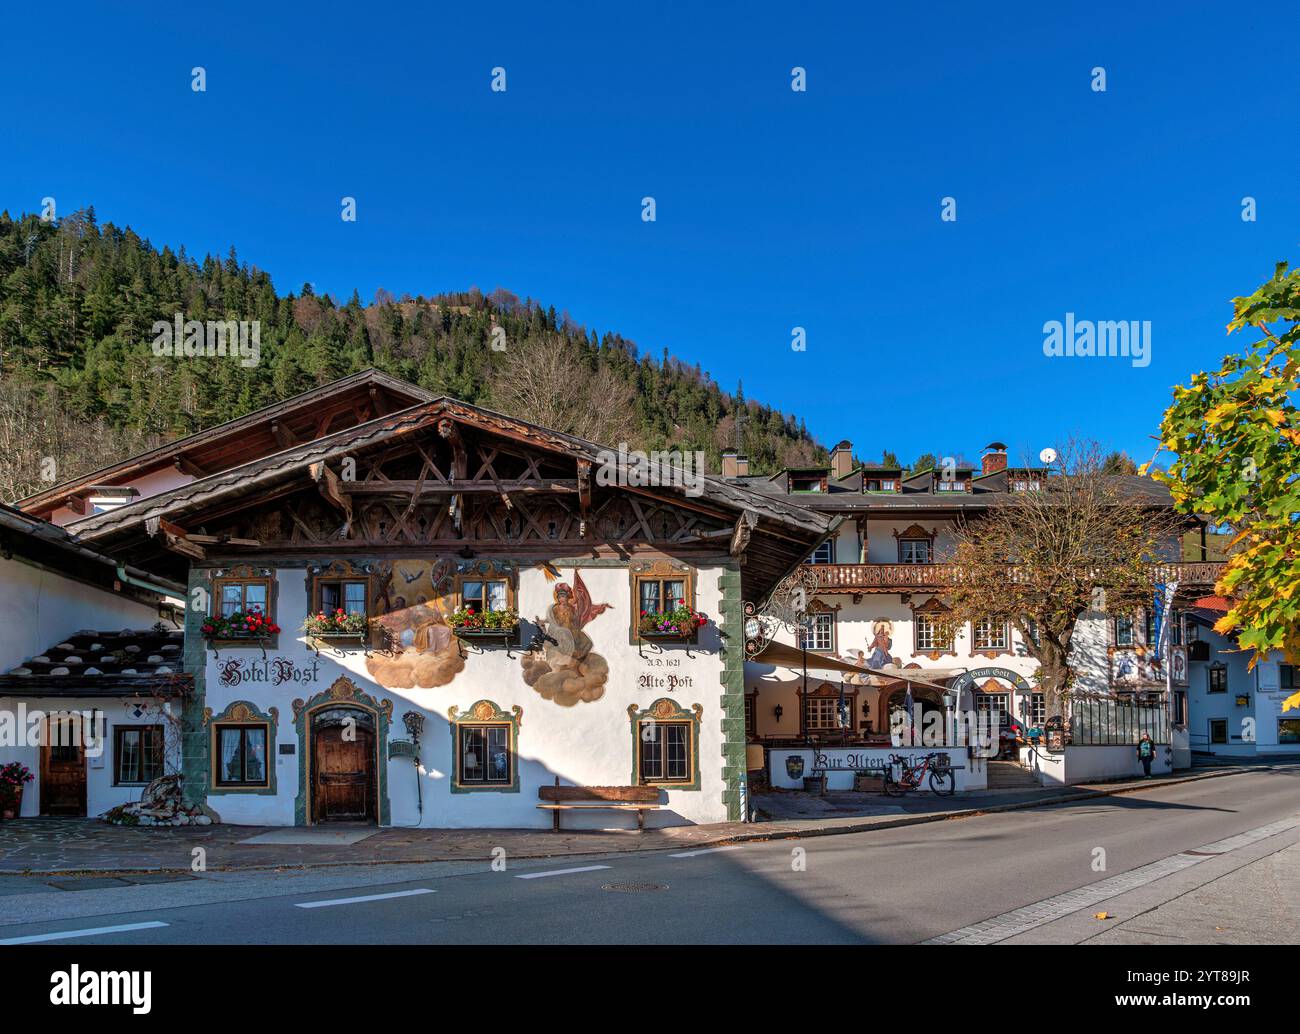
[241,754]
[484,755]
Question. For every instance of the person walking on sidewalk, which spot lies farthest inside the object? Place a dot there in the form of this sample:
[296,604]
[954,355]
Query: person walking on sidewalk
[1146,753]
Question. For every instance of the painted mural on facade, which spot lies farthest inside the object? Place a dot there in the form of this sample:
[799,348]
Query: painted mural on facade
[879,653]
[567,670]
[413,602]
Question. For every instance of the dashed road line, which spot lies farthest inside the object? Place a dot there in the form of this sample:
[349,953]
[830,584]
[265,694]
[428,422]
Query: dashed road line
[95,931]
[364,897]
[557,872]
[1040,913]
[706,850]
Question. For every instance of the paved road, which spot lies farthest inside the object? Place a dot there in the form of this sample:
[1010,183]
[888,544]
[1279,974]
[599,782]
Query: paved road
[1032,875]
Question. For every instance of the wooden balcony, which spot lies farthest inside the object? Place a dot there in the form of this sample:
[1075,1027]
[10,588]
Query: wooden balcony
[857,578]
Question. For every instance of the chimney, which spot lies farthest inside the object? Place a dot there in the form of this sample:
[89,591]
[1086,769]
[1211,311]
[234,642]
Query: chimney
[842,459]
[995,458]
[734,464]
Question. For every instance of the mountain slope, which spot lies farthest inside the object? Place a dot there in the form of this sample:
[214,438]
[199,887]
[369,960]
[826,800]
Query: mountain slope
[80,383]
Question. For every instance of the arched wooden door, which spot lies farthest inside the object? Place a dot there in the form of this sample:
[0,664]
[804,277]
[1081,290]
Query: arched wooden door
[343,766]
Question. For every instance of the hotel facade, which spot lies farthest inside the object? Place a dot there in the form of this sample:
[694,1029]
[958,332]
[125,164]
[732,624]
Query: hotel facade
[370,604]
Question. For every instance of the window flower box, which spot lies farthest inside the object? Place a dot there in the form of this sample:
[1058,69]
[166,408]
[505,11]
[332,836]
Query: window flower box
[681,625]
[239,629]
[486,626]
[338,630]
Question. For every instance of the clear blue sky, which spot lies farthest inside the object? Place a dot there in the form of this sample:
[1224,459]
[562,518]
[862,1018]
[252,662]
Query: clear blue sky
[775,209]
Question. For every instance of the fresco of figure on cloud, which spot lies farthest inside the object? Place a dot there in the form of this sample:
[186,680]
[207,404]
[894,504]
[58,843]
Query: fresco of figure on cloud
[566,670]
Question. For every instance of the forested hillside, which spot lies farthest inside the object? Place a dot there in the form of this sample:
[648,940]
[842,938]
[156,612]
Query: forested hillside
[79,380]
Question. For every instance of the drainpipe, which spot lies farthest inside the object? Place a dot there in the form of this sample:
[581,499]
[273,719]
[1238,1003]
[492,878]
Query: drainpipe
[140,583]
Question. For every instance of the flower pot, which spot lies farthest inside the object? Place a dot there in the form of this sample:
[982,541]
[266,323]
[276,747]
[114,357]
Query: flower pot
[12,806]
[815,785]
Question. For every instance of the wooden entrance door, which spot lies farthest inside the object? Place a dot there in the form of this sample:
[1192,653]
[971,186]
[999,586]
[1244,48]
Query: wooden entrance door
[344,787]
[63,769]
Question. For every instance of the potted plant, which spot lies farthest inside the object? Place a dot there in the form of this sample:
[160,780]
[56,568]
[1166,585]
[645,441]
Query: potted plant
[679,623]
[13,777]
[499,625]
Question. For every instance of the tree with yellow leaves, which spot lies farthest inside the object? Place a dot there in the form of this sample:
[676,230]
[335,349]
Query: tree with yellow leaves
[1235,435]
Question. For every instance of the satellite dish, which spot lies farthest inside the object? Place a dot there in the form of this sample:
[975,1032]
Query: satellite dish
[1048,455]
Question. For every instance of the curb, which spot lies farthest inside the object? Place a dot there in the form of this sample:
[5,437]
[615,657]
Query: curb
[966,813]
[865,826]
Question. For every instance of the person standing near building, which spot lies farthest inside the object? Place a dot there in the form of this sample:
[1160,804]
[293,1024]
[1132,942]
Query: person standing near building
[1146,752]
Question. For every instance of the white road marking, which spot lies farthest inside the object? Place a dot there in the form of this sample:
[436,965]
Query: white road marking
[365,897]
[557,872]
[92,932]
[1040,913]
[706,850]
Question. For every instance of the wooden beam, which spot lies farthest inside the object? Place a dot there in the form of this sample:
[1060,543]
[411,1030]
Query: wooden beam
[223,540]
[742,533]
[450,430]
[330,487]
[187,466]
[283,436]
[584,486]
[173,538]
[460,485]
[77,504]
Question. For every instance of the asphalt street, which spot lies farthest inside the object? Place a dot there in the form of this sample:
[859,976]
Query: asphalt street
[1038,875]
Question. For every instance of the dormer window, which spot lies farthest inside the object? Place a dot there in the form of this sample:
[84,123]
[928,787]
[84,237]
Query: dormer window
[954,485]
[106,498]
[807,484]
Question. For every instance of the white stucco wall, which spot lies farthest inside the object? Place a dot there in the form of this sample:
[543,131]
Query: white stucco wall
[585,744]
[1091,764]
[101,791]
[40,608]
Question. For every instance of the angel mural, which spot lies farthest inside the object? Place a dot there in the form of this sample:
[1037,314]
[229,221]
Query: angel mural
[566,670]
[422,652]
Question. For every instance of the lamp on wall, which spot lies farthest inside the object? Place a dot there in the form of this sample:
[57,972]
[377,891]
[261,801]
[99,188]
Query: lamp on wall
[778,711]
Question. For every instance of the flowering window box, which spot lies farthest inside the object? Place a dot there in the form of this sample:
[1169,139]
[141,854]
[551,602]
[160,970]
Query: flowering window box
[489,626]
[678,626]
[338,630]
[240,629]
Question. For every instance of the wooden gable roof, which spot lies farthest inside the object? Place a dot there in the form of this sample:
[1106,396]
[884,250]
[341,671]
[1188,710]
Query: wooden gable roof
[331,407]
[449,476]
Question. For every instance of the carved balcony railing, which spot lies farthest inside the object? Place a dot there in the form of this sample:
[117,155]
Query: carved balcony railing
[892,577]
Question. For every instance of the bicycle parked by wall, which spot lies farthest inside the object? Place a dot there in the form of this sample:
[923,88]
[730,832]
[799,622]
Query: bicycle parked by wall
[936,766]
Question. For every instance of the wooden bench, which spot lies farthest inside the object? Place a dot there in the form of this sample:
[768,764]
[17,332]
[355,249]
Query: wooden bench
[639,799]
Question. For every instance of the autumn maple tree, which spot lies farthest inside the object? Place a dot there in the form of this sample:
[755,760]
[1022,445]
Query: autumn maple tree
[1235,438]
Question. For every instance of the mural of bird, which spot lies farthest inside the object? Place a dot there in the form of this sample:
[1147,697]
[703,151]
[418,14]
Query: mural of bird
[551,572]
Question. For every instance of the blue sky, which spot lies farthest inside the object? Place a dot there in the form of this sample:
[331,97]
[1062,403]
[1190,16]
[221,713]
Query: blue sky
[775,209]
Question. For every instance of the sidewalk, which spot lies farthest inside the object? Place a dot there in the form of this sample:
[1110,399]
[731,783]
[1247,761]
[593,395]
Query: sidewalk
[69,846]
[1255,904]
